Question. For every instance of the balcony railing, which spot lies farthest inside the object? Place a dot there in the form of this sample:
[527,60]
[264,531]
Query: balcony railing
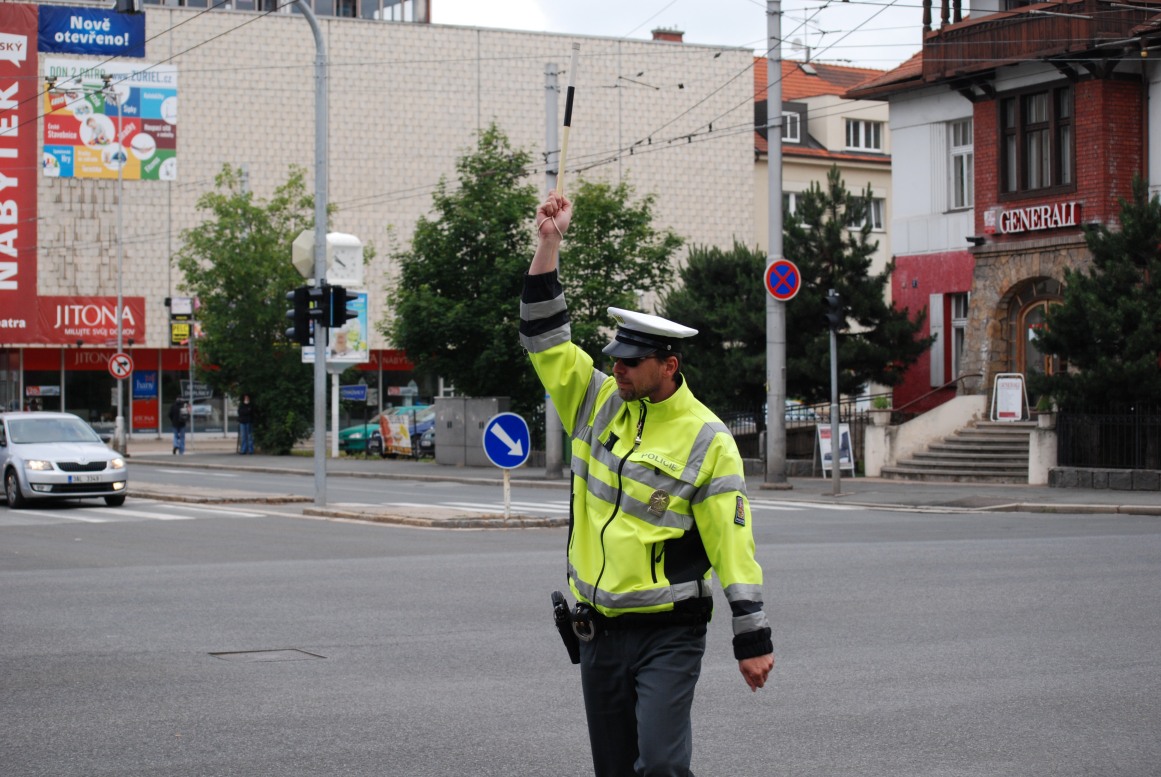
[1040,31]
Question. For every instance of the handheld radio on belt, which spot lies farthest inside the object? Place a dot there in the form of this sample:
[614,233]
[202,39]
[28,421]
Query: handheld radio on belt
[563,619]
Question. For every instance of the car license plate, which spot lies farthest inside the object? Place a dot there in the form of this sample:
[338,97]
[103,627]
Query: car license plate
[85,479]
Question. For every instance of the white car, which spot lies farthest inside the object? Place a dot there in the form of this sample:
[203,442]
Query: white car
[57,456]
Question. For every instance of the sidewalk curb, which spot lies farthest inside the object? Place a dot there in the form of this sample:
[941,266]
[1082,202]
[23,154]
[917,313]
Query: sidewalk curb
[454,521]
[232,498]
[1097,509]
[450,478]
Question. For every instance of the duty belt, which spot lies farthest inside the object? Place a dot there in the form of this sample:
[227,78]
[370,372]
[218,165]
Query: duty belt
[587,622]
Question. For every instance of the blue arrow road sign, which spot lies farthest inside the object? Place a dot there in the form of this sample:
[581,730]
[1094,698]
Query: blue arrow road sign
[507,441]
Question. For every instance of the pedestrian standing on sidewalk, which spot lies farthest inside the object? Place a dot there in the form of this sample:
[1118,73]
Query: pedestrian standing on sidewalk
[178,416]
[246,426]
[658,503]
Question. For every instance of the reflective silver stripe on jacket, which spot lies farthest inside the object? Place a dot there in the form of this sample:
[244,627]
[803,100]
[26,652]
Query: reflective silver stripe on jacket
[537,311]
[745,624]
[742,592]
[585,409]
[726,484]
[672,594]
[606,413]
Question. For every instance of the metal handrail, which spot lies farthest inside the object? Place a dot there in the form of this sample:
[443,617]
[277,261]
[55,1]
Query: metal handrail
[936,390]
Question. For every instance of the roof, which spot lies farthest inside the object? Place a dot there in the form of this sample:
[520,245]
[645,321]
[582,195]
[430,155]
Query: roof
[798,84]
[907,75]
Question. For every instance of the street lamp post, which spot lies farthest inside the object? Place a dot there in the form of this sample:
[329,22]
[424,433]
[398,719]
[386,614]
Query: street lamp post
[119,437]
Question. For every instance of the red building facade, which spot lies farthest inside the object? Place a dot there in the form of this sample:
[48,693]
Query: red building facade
[1059,125]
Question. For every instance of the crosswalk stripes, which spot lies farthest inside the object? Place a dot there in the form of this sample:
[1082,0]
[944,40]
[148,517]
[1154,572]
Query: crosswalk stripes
[495,507]
[770,504]
[562,507]
[141,510]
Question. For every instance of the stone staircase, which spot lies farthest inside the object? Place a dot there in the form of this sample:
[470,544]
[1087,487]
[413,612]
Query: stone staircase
[983,452]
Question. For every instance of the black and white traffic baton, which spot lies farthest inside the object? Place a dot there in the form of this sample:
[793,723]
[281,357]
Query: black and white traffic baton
[567,118]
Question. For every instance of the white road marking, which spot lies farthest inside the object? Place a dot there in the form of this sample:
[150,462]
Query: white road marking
[783,505]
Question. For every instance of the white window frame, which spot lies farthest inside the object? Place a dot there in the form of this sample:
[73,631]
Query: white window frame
[959,322]
[790,203]
[876,214]
[961,159]
[791,127]
[956,304]
[863,135]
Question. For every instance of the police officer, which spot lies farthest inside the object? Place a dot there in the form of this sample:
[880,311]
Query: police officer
[659,498]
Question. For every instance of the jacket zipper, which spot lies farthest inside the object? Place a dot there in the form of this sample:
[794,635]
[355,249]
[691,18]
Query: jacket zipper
[620,490]
[655,559]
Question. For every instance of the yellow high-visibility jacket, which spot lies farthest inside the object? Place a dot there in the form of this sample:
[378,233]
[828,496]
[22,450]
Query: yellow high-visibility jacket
[658,491]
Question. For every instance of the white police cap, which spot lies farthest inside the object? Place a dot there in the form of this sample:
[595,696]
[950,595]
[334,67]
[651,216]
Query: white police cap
[640,334]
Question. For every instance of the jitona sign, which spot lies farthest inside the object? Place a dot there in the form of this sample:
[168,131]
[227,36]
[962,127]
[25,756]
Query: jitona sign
[1031,218]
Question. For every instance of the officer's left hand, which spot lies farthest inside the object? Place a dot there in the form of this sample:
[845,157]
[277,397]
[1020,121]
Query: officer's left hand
[756,670]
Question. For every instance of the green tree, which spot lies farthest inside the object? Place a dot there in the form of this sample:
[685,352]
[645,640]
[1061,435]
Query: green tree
[722,296]
[1107,330]
[612,256]
[237,264]
[456,302]
[879,341]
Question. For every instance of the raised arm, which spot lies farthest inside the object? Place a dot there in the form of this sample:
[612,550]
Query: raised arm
[552,220]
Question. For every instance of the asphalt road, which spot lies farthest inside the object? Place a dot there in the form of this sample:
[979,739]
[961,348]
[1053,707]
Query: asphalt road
[236,643]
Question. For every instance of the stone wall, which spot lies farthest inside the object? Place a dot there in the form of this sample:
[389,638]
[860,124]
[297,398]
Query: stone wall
[1111,479]
[1008,276]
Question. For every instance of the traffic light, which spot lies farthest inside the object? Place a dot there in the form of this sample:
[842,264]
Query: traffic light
[835,318]
[337,310]
[307,313]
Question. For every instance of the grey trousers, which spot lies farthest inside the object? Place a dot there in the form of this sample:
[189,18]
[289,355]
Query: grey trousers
[638,688]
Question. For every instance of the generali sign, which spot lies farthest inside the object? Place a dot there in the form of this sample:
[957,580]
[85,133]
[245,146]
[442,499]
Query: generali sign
[1031,218]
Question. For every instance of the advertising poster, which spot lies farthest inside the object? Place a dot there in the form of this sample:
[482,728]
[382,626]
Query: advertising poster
[125,129]
[91,320]
[95,31]
[826,449]
[18,164]
[1008,397]
[349,345]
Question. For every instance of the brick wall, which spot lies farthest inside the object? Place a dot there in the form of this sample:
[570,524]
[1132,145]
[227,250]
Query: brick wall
[1108,151]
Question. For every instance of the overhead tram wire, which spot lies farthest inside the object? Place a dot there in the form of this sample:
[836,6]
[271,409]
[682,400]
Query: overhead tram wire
[215,5]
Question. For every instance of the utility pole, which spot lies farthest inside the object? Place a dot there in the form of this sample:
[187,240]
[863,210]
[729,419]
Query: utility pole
[119,439]
[320,252]
[775,309]
[553,430]
[836,448]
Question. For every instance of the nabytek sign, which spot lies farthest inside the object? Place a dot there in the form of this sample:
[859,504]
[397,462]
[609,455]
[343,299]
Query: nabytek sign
[91,31]
[19,161]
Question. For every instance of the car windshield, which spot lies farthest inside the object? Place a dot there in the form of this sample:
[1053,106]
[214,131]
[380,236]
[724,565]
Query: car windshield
[37,430]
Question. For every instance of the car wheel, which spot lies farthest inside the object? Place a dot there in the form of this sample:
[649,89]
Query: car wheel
[12,493]
[115,501]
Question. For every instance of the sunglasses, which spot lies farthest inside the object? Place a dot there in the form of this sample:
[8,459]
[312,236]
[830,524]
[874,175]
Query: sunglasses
[632,362]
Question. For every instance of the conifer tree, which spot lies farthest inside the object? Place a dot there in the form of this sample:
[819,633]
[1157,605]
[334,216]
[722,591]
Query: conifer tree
[1106,333]
[879,341]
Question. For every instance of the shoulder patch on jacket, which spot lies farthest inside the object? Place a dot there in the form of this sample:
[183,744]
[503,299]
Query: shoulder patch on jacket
[740,513]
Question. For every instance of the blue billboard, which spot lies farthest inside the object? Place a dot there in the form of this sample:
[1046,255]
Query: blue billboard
[64,29]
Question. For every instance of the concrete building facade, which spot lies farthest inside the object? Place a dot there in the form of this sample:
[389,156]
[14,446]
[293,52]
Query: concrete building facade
[406,101]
